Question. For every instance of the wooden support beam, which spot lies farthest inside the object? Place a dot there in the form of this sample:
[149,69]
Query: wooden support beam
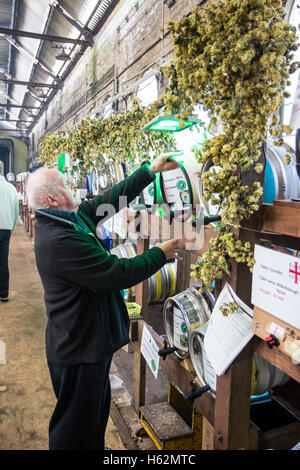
[183,271]
[139,378]
[232,408]
[142,289]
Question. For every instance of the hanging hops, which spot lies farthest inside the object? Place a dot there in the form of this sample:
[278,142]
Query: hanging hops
[117,138]
[234,57]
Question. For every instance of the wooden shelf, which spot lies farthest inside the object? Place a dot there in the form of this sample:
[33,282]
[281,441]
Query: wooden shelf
[282,217]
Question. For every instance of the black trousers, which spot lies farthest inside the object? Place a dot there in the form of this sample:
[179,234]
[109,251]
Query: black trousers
[4,273]
[83,397]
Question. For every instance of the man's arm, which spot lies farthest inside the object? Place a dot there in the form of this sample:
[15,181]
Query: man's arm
[130,187]
[90,266]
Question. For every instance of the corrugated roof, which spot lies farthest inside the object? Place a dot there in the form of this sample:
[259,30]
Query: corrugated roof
[28,59]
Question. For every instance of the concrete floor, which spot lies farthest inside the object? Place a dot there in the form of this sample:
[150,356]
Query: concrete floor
[26,396]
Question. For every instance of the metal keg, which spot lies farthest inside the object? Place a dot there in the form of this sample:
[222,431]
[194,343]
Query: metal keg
[202,365]
[182,314]
[281,180]
[100,181]
[161,285]
[118,171]
[178,187]
[264,374]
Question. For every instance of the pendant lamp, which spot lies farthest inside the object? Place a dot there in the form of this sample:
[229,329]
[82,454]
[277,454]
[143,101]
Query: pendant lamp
[169,123]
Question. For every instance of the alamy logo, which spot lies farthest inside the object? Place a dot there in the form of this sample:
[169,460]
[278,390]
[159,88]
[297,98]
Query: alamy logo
[171,224]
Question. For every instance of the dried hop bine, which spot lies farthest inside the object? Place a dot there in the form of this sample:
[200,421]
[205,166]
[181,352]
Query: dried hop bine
[234,57]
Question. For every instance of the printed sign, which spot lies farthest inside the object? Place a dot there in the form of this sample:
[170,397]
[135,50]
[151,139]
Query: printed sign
[276,284]
[148,194]
[174,184]
[180,333]
[227,335]
[119,224]
[149,350]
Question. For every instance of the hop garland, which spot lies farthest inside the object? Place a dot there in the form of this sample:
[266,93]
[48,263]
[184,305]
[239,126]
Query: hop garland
[234,57]
[117,138]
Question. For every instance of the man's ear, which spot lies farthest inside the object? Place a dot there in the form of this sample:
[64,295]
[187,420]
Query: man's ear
[52,201]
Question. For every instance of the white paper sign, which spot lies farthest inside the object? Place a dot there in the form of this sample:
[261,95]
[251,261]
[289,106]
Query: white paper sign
[119,224]
[276,284]
[174,183]
[226,336]
[148,194]
[149,350]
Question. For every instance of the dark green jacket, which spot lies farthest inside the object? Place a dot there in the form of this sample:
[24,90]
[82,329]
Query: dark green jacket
[82,280]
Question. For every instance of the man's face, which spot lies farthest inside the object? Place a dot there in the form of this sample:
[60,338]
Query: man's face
[69,201]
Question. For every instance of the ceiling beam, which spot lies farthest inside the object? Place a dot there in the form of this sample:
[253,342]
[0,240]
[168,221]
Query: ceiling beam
[16,130]
[73,63]
[45,37]
[10,105]
[85,31]
[33,84]
[28,54]
[11,52]
[15,120]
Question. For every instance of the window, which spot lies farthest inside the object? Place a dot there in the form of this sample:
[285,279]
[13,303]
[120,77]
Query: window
[147,91]
[196,135]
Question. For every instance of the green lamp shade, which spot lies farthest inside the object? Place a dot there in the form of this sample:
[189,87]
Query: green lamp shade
[61,162]
[164,123]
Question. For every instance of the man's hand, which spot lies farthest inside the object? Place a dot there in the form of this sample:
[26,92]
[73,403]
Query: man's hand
[171,248]
[163,164]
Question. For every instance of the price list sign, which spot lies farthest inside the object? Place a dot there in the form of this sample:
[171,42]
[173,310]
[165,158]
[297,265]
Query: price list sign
[276,284]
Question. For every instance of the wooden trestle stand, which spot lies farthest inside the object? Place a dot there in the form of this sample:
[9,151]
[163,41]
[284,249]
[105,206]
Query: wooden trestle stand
[226,423]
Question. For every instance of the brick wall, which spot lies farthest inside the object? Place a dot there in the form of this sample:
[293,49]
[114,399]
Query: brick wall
[127,48]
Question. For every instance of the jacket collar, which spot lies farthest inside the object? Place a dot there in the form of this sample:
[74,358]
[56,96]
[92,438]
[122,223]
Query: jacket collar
[66,217]
[57,215]
[70,219]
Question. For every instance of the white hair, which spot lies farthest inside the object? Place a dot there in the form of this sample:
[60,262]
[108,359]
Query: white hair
[42,182]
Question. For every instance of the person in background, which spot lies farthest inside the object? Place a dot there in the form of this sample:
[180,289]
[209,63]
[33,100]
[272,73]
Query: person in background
[87,317]
[9,214]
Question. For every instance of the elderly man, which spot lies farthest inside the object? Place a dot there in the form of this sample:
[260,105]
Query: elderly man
[9,213]
[87,317]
